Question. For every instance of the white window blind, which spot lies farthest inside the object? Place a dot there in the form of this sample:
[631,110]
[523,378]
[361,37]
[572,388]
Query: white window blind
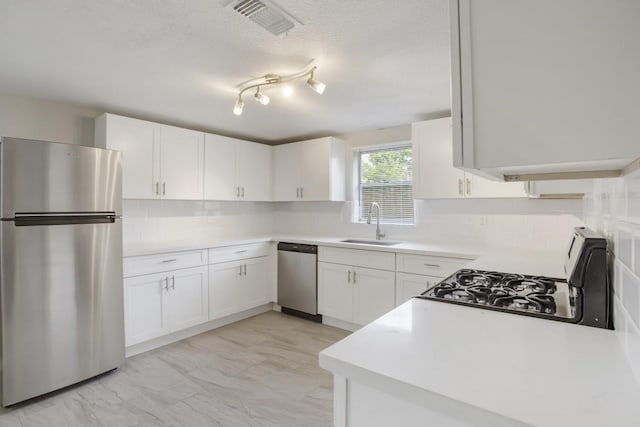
[386,177]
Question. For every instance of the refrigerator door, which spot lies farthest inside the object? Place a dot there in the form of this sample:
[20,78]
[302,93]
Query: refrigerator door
[61,302]
[50,177]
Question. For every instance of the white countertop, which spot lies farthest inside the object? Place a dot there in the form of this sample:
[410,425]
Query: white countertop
[536,371]
[431,248]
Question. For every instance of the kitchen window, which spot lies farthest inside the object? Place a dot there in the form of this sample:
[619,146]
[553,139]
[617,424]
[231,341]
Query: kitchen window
[385,175]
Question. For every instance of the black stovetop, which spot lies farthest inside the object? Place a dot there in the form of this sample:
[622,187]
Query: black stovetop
[529,295]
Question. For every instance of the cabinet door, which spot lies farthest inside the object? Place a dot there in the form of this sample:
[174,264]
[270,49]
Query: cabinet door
[286,172]
[335,291]
[374,294]
[253,285]
[434,176]
[137,141]
[315,172]
[188,296]
[182,163]
[220,171]
[410,285]
[477,186]
[529,96]
[145,308]
[254,171]
[224,289]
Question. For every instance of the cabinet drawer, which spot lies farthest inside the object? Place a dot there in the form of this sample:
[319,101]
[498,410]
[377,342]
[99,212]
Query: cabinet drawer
[232,253]
[359,258]
[135,266]
[430,265]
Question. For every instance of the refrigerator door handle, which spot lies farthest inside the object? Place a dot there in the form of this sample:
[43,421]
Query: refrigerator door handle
[35,219]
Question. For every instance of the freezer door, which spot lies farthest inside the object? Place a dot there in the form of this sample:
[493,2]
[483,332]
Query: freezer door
[61,302]
[50,177]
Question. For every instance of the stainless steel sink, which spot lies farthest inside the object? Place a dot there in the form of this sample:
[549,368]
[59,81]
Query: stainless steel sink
[372,242]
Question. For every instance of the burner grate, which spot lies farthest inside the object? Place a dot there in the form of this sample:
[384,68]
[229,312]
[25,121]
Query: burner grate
[517,293]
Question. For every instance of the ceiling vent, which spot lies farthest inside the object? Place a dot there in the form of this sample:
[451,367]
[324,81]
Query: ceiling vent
[267,14]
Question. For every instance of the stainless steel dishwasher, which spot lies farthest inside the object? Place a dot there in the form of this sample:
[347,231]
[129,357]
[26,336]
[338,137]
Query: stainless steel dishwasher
[297,280]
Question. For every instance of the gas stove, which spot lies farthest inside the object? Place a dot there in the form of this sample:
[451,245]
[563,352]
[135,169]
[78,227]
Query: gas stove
[583,297]
[529,295]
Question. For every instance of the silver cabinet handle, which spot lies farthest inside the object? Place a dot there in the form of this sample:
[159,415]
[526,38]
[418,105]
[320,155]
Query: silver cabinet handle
[166,284]
[468,187]
[164,188]
[242,192]
[164,261]
[297,192]
[348,276]
[238,192]
[460,187]
[302,192]
[157,188]
[240,270]
[241,252]
[245,269]
[354,277]
[432,265]
[173,282]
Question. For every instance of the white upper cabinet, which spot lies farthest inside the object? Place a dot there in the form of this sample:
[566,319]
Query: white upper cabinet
[236,169]
[220,168]
[159,161]
[434,176]
[311,170]
[181,163]
[138,140]
[254,171]
[545,86]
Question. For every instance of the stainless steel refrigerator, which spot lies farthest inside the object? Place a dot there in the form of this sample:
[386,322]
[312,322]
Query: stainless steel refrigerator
[61,296]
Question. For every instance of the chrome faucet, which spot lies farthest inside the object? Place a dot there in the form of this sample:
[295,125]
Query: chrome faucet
[379,233]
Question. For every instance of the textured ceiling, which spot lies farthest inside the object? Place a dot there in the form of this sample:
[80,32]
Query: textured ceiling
[385,62]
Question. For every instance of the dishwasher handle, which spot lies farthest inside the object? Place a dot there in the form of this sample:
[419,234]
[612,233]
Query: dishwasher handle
[298,247]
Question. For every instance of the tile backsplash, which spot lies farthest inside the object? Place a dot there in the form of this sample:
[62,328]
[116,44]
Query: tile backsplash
[614,210]
[163,222]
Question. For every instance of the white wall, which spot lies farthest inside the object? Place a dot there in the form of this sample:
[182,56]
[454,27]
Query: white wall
[32,118]
[614,210]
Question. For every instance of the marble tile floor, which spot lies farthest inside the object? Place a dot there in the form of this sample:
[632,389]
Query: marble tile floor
[261,371]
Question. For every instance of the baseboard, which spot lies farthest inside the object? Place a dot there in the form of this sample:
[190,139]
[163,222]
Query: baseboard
[340,324]
[196,330]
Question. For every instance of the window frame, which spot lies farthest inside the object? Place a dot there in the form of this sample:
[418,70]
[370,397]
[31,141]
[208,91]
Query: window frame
[356,185]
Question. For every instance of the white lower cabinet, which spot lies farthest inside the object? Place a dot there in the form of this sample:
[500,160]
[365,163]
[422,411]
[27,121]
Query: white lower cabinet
[410,285]
[161,303]
[354,294]
[237,285]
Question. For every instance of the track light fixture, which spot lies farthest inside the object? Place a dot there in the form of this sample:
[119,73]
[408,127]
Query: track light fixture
[261,97]
[316,85]
[274,79]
